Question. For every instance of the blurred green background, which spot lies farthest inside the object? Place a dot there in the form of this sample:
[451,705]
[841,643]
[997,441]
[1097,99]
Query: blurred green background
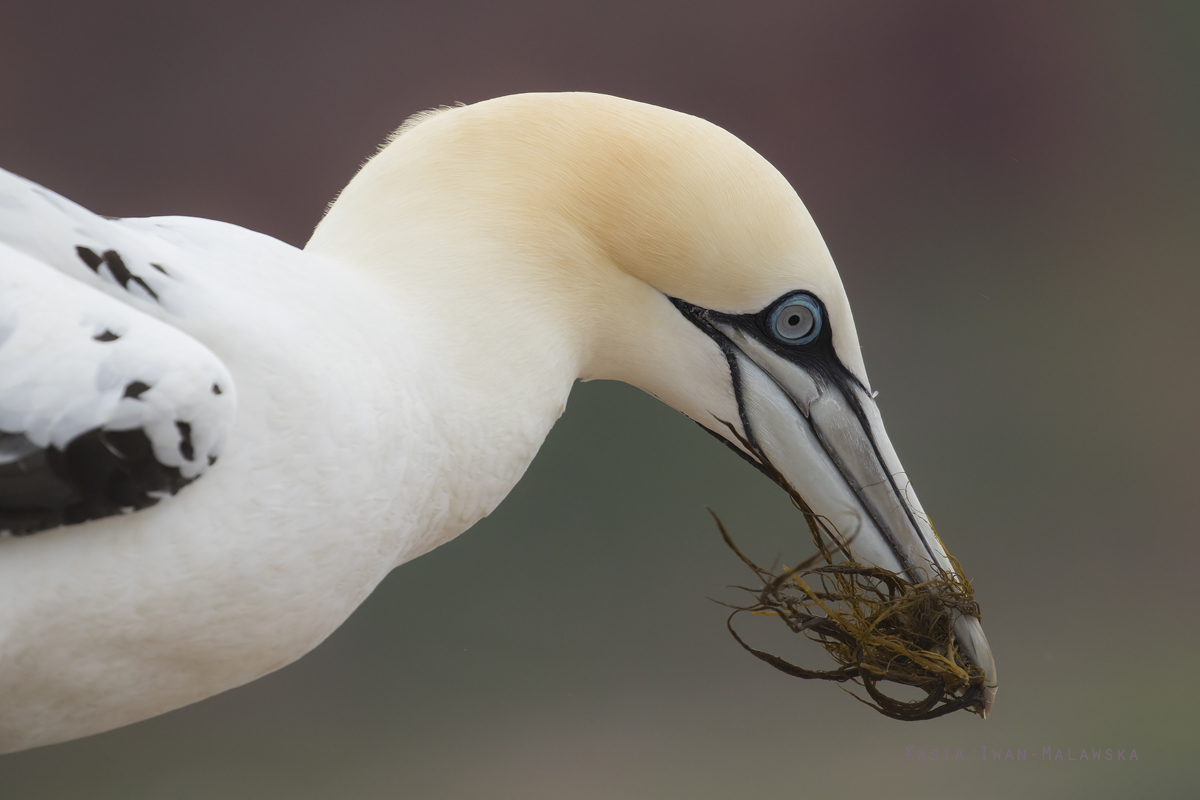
[1011,192]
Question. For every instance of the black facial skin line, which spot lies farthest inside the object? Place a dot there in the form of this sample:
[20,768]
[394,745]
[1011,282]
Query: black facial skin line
[819,359]
[735,373]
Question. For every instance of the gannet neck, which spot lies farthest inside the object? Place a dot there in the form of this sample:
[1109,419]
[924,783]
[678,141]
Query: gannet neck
[499,347]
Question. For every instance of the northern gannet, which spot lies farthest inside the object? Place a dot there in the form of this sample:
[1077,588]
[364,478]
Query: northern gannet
[214,445]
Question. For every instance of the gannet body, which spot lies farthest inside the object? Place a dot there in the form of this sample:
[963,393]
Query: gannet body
[213,445]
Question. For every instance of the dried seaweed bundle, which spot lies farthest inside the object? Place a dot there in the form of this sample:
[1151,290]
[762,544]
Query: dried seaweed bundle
[878,625]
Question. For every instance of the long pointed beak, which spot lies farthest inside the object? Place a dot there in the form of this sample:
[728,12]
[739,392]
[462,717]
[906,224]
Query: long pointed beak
[826,438]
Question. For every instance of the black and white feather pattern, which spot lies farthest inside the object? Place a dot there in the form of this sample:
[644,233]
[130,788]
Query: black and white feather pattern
[105,407]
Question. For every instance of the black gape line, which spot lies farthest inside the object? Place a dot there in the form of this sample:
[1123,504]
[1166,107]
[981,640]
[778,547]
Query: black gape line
[819,359]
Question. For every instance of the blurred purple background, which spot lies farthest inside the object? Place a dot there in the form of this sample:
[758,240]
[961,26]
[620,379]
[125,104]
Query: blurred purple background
[1010,190]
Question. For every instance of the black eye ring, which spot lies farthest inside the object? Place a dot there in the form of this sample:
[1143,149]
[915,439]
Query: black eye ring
[796,320]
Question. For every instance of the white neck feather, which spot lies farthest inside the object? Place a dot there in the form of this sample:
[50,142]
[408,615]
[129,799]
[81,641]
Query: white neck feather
[495,365]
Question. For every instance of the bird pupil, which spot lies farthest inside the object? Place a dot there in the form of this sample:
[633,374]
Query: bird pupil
[795,323]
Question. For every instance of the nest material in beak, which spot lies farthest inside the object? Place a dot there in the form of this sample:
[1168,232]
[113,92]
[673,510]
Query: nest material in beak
[879,626]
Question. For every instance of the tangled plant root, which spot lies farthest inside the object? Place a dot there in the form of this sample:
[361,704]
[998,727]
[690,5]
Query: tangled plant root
[879,626]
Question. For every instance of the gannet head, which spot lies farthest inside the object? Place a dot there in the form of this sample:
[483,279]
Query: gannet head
[662,251]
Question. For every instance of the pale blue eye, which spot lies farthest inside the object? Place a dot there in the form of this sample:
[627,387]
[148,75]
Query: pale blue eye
[797,320]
